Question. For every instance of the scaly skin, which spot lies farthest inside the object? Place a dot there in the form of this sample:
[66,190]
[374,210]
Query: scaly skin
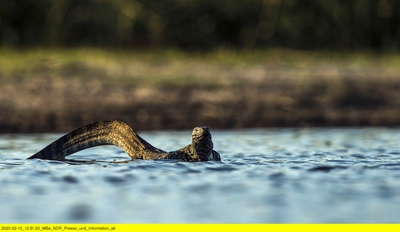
[120,134]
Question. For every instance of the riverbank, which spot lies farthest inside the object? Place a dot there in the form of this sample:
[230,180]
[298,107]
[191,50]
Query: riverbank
[61,89]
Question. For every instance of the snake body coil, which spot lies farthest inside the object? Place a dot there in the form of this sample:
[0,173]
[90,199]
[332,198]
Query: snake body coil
[120,134]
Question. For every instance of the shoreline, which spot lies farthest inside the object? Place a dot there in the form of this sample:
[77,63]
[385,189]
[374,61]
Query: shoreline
[61,90]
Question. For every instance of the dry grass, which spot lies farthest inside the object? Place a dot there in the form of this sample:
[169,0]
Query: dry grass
[59,90]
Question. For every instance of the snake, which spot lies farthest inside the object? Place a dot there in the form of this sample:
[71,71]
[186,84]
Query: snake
[120,134]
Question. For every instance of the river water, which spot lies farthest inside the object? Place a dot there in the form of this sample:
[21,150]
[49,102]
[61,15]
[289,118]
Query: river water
[266,176]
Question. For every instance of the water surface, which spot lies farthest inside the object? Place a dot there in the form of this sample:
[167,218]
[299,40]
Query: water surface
[266,176]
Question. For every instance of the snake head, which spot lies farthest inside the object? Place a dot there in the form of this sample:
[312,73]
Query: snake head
[201,142]
[202,133]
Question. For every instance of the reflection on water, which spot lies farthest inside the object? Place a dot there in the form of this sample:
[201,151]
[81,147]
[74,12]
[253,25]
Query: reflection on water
[266,176]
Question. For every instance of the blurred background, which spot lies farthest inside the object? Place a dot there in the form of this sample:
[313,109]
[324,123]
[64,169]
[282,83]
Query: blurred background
[176,64]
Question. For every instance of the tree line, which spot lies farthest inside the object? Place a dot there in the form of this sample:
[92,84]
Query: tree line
[202,24]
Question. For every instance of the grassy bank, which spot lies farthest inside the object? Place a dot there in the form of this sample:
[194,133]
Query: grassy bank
[61,89]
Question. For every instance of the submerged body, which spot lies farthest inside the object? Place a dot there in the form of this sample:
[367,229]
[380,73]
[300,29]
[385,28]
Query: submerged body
[120,134]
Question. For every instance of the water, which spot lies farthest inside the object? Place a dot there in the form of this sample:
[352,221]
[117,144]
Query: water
[266,176]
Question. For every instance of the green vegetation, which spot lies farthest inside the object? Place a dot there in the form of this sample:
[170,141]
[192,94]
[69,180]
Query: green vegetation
[202,24]
[61,89]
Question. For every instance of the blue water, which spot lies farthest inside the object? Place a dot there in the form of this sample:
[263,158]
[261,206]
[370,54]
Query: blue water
[266,176]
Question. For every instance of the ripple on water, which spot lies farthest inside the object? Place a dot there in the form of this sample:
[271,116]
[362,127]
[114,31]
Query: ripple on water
[79,212]
[115,179]
[70,179]
[325,168]
[224,168]
[359,156]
